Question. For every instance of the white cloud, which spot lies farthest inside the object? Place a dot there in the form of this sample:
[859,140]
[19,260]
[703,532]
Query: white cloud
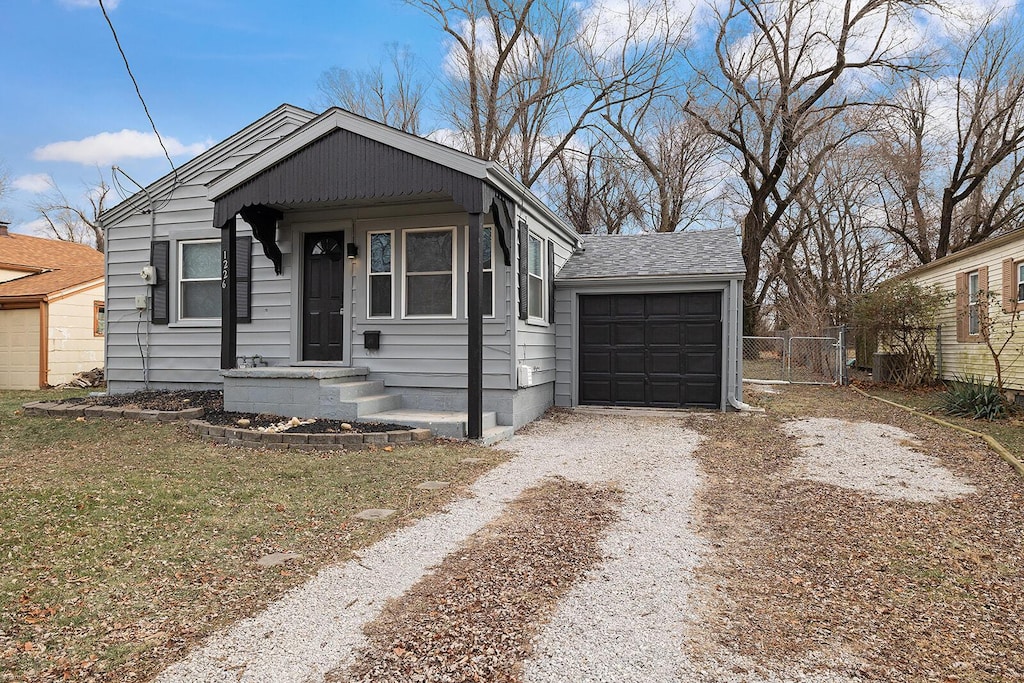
[80,4]
[107,148]
[34,227]
[612,25]
[33,183]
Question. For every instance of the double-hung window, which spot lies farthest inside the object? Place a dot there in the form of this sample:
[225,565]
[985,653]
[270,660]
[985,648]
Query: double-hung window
[429,265]
[535,277]
[199,292]
[380,301]
[973,303]
[1020,281]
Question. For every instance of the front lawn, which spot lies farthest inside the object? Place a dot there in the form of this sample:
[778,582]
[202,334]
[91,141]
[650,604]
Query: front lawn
[123,543]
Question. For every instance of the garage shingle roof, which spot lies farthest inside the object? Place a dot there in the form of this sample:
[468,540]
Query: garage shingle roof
[697,252]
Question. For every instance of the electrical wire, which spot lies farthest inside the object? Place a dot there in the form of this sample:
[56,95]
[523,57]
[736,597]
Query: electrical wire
[138,91]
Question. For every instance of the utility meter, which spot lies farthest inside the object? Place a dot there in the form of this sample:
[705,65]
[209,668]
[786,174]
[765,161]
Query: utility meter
[148,275]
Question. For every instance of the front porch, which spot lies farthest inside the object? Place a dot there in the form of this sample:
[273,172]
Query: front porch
[342,393]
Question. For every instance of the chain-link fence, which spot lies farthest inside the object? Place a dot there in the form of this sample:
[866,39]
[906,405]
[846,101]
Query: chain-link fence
[807,359]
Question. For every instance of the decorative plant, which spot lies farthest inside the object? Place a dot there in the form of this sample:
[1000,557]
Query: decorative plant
[970,396]
[901,315]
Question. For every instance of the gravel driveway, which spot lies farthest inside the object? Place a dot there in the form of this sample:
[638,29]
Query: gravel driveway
[623,622]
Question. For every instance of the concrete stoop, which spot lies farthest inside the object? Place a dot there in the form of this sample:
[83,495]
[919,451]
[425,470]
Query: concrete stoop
[341,394]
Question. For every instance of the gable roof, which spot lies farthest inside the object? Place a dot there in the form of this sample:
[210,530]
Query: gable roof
[336,119]
[51,266]
[197,165]
[25,252]
[669,254]
[41,285]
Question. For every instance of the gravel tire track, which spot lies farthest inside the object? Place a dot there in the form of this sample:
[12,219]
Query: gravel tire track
[317,627]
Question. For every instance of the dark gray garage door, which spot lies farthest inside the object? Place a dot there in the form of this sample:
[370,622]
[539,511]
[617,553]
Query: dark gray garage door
[661,350]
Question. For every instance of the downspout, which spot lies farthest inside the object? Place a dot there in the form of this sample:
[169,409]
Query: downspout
[736,375]
[44,344]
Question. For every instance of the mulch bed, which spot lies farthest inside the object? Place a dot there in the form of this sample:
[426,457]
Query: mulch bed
[472,618]
[900,591]
[212,403]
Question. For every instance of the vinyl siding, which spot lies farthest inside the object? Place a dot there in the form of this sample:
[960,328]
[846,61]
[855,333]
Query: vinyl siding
[973,357]
[421,352]
[73,346]
[180,355]
[536,340]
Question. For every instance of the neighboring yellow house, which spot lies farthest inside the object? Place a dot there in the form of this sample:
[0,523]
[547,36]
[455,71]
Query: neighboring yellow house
[986,284]
[52,313]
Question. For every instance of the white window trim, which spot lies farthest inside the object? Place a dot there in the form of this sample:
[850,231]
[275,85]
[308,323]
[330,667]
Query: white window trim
[973,302]
[370,274]
[1019,271]
[494,285]
[179,280]
[542,319]
[405,275]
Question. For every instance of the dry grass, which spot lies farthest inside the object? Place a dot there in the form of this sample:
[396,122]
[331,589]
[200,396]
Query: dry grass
[901,591]
[1009,431]
[122,543]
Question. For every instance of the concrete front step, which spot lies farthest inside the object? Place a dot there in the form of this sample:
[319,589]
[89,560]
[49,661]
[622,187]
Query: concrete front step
[495,434]
[346,391]
[450,425]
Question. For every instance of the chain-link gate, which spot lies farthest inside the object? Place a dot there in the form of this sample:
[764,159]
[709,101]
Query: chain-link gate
[796,359]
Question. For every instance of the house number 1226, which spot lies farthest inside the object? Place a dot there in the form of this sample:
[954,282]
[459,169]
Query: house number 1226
[224,269]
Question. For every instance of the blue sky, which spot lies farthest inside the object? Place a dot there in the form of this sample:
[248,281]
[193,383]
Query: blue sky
[206,68]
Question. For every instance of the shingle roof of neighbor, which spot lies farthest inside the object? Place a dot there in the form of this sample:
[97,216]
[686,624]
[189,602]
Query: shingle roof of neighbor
[51,265]
[696,252]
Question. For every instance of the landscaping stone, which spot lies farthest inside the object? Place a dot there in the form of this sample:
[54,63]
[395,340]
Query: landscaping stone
[400,435]
[374,514]
[421,434]
[277,559]
[378,437]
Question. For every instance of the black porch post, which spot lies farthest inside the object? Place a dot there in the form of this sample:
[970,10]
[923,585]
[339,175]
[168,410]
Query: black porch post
[475,332]
[228,300]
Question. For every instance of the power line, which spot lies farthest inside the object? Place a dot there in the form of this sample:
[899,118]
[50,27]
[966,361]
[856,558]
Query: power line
[139,92]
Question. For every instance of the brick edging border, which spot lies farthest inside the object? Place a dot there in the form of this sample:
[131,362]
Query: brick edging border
[53,409]
[233,436]
[236,436]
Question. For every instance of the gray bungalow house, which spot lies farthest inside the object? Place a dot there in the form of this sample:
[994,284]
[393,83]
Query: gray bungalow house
[330,266]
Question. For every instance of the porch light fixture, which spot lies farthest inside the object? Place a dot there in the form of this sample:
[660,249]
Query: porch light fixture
[351,250]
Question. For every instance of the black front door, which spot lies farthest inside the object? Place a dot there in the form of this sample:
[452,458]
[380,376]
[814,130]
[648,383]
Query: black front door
[323,296]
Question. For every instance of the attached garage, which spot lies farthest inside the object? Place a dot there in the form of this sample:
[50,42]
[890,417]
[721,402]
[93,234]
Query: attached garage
[651,320]
[661,349]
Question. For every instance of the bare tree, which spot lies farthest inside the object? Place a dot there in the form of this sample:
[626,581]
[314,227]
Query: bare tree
[392,94]
[676,153]
[596,190]
[840,253]
[784,73]
[69,221]
[953,150]
[525,76]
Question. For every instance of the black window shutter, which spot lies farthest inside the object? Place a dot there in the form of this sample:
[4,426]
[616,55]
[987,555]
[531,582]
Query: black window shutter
[524,269]
[160,256]
[551,281]
[243,278]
